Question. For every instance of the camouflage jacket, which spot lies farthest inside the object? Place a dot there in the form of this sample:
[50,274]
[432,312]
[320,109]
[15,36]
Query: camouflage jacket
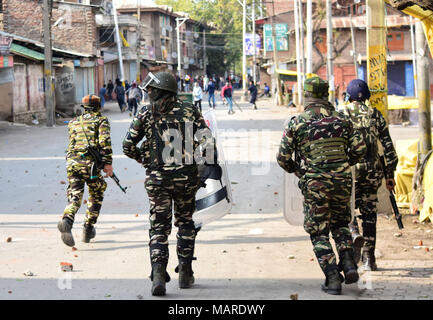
[171,139]
[362,115]
[96,133]
[323,142]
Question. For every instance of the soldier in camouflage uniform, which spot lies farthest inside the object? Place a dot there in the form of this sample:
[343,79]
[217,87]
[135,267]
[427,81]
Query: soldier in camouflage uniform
[324,145]
[89,129]
[168,153]
[369,172]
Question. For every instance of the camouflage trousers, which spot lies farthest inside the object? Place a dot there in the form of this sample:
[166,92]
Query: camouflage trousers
[366,187]
[327,210]
[165,190]
[78,176]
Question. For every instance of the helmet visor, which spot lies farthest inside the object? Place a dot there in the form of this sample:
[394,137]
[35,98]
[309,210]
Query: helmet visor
[148,80]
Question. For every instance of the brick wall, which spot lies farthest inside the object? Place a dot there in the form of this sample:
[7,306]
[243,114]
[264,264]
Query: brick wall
[76,32]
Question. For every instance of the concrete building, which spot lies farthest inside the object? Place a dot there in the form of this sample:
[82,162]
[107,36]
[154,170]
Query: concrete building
[152,41]
[399,58]
[77,68]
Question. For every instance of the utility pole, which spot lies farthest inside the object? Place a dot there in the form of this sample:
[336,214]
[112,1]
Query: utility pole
[254,41]
[298,53]
[302,38]
[204,53]
[424,107]
[309,66]
[119,44]
[352,35]
[414,67]
[48,63]
[138,41]
[329,51]
[274,40]
[244,57]
[376,56]
[179,69]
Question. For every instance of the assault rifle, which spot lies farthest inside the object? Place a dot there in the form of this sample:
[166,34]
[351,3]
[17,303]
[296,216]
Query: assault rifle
[98,165]
[392,199]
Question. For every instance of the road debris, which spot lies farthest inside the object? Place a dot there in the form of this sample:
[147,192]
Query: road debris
[74,249]
[294,296]
[62,182]
[290,256]
[9,239]
[398,234]
[256,231]
[28,273]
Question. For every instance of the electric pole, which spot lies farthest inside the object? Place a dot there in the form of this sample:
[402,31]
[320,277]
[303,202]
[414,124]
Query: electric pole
[414,67]
[204,52]
[48,63]
[352,35]
[309,66]
[254,41]
[244,57]
[424,107]
[302,37]
[119,45]
[179,69]
[274,40]
[330,50]
[138,41]
[298,54]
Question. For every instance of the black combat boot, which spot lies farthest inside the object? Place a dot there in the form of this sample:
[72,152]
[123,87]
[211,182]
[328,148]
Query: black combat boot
[159,277]
[369,260]
[89,232]
[65,227]
[186,275]
[333,282]
[349,268]
[358,241]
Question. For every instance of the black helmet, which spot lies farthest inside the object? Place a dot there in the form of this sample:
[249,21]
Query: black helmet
[162,80]
[358,90]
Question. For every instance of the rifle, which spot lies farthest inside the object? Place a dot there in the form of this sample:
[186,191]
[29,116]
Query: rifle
[98,165]
[393,202]
[97,161]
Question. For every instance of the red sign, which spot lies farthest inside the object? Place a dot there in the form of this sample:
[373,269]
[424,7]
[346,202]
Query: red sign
[6,62]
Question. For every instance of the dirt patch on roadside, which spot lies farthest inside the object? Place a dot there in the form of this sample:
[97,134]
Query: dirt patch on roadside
[413,242]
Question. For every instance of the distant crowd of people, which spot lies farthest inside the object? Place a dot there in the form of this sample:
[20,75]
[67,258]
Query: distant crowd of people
[129,96]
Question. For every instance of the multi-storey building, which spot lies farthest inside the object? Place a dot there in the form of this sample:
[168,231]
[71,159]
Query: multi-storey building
[77,68]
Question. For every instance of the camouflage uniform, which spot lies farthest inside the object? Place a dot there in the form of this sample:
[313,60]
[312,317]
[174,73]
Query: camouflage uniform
[325,145]
[171,177]
[79,163]
[369,172]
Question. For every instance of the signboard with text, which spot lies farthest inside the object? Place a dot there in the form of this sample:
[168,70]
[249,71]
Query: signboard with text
[280,37]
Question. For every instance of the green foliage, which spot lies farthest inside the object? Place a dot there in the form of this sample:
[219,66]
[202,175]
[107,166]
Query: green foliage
[224,42]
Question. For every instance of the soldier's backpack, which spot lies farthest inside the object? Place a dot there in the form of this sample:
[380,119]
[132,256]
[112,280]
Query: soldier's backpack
[362,120]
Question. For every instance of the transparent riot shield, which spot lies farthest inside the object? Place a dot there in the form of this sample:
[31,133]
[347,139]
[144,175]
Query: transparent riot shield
[293,200]
[215,200]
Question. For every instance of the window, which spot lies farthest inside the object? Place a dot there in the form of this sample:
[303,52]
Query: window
[395,41]
[1,6]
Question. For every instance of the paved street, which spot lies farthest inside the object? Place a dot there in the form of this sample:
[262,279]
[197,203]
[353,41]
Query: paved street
[252,253]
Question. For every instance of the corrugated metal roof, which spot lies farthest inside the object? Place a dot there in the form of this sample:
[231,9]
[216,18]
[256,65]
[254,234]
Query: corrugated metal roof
[29,53]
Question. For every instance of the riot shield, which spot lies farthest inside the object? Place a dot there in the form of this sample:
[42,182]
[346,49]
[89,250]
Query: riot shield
[215,199]
[293,200]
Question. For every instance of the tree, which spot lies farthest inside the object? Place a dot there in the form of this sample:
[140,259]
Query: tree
[340,40]
[224,42]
